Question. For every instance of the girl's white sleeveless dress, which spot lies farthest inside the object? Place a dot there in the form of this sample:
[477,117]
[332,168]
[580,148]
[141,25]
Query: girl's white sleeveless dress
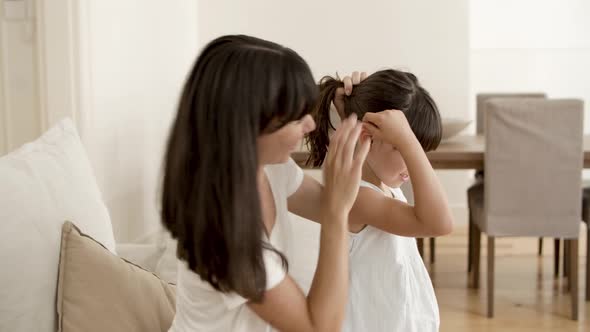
[390,289]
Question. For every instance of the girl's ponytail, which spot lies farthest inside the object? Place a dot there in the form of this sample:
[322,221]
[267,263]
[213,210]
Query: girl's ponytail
[318,140]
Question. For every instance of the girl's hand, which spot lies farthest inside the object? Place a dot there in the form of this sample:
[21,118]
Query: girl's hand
[349,82]
[390,126]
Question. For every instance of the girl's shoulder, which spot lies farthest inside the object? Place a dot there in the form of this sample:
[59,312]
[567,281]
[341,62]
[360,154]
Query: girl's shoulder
[369,191]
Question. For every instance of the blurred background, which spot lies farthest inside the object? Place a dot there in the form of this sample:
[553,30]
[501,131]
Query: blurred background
[117,67]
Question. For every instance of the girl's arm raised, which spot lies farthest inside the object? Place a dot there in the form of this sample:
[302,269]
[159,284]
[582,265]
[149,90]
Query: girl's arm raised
[430,215]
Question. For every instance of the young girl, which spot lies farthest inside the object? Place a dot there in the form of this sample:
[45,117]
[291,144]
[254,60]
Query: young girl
[229,181]
[390,289]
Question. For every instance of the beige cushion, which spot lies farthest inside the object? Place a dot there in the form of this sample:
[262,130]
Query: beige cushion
[98,291]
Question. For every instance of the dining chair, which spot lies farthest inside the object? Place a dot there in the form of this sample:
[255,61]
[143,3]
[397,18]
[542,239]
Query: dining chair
[533,165]
[481,99]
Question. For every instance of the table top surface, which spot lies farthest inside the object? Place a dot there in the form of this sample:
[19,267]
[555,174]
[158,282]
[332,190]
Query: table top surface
[461,152]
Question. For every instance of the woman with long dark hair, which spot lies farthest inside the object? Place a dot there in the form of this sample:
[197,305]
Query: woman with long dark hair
[229,183]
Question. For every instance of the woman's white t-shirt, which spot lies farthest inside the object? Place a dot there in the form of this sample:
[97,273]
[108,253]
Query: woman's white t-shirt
[199,307]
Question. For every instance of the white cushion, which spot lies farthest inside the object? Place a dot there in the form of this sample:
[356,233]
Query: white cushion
[167,266]
[42,184]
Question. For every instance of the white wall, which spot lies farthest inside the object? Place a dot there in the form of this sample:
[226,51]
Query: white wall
[549,52]
[135,55]
[427,37]
[117,68]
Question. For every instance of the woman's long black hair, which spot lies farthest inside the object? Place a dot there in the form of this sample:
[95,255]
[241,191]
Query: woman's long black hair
[239,87]
[383,90]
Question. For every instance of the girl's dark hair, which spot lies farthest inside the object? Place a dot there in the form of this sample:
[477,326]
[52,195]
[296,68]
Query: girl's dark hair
[239,87]
[383,90]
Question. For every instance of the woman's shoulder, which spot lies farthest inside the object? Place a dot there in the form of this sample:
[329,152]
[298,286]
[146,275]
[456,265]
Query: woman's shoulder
[290,166]
[287,176]
[188,278]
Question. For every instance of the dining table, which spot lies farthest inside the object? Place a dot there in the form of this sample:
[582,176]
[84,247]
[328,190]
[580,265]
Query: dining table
[463,152]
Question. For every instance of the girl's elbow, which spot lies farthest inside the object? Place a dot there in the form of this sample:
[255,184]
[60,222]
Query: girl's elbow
[445,227]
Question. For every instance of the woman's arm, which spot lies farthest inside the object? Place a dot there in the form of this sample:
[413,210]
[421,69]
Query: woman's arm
[306,202]
[284,306]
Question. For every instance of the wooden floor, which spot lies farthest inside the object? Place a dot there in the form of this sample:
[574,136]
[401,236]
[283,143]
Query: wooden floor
[528,298]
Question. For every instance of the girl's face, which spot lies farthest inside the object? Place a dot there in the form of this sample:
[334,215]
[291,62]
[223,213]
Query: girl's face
[388,164]
[276,147]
